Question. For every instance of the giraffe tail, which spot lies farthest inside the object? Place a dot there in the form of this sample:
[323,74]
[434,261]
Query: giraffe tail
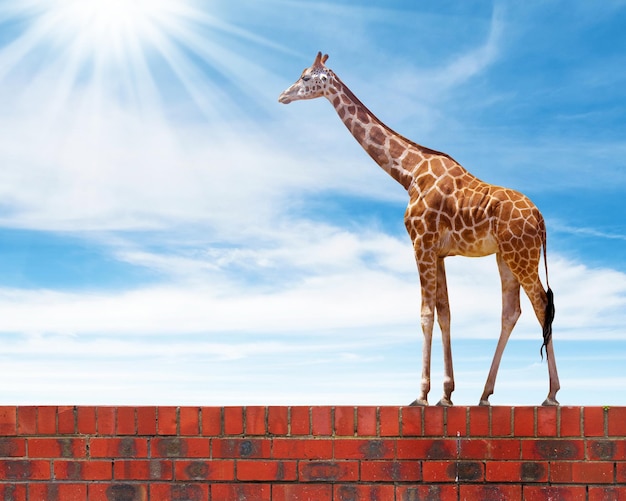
[549,312]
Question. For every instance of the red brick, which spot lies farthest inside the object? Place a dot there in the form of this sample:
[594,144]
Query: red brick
[439,471]
[189,421]
[570,421]
[470,471]
[261,471]
[364,449]
[178,447]
[426,449]
[233,420]
[546,421]
[175,492]
[501,421]
[473,448]
[235,448]
[344,421]
[555,449]
[302,492]
[593,421]
[13,492]
[167,421]
[411,421]
[426,492]
[213,470]
[125,421]
[211,421]
[456,421]
[142,469]
[366,421]
[105,420]
[515,471]
[389,421]
[592,472]
[433,421]
[562,493]
[146,420]
[504,449]
[255,420]
[66,417]
[58,492]
[617,421]
[278,420]
[370,492]
[620,473]
[391,471]
[524,421]
[328,471]
[300,424]
[22,469]
[118,447]
[88,470]
[12,447]
[491,492]
[8,421]
[561,472]
[46,420]
[606,450]
[86,423]
[26,420]
[607,493]
[57,447]
[118,491]
[321,423]
[229,492]
[290,448]
[452,471]
[479,421]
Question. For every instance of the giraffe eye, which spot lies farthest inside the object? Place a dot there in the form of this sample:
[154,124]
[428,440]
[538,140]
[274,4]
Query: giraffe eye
[306,78]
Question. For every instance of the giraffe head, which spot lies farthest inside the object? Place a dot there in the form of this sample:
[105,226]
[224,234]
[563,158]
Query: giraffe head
[312,83]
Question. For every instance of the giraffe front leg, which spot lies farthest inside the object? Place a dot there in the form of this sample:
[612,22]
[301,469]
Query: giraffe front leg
[428,285]
[428,316]
[443,317]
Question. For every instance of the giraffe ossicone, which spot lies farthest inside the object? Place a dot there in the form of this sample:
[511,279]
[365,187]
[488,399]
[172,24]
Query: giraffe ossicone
[450,212]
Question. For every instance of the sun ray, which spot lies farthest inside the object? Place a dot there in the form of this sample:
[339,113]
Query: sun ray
[156,59]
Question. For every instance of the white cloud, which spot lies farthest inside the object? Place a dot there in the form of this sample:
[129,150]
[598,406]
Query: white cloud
[317,280]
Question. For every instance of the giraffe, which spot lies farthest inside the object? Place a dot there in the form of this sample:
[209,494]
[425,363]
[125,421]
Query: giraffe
[450,212]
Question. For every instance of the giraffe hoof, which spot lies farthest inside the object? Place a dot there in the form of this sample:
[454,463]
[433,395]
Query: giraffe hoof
[484,402]
[550,402]
[419,402]
[445,402]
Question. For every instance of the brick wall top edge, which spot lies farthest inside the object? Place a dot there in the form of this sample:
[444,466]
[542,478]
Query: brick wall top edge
[315,421]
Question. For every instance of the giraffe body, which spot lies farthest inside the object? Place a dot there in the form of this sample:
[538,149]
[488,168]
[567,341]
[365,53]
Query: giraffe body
[450,212]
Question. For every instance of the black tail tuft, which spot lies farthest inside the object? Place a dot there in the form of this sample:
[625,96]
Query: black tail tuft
[547,323]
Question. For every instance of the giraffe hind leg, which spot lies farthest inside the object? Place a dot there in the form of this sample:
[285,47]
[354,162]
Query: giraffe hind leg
[511,311]
[543,304]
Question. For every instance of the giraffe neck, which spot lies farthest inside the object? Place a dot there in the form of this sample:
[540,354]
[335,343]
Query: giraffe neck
[397,155]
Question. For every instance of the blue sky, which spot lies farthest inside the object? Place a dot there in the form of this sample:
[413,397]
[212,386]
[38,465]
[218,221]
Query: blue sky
[171,234]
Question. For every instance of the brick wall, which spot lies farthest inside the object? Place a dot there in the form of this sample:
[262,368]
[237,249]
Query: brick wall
[317,453]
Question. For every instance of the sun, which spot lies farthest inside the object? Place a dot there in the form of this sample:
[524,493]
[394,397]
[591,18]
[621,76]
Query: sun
[158,58]
[107,26]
